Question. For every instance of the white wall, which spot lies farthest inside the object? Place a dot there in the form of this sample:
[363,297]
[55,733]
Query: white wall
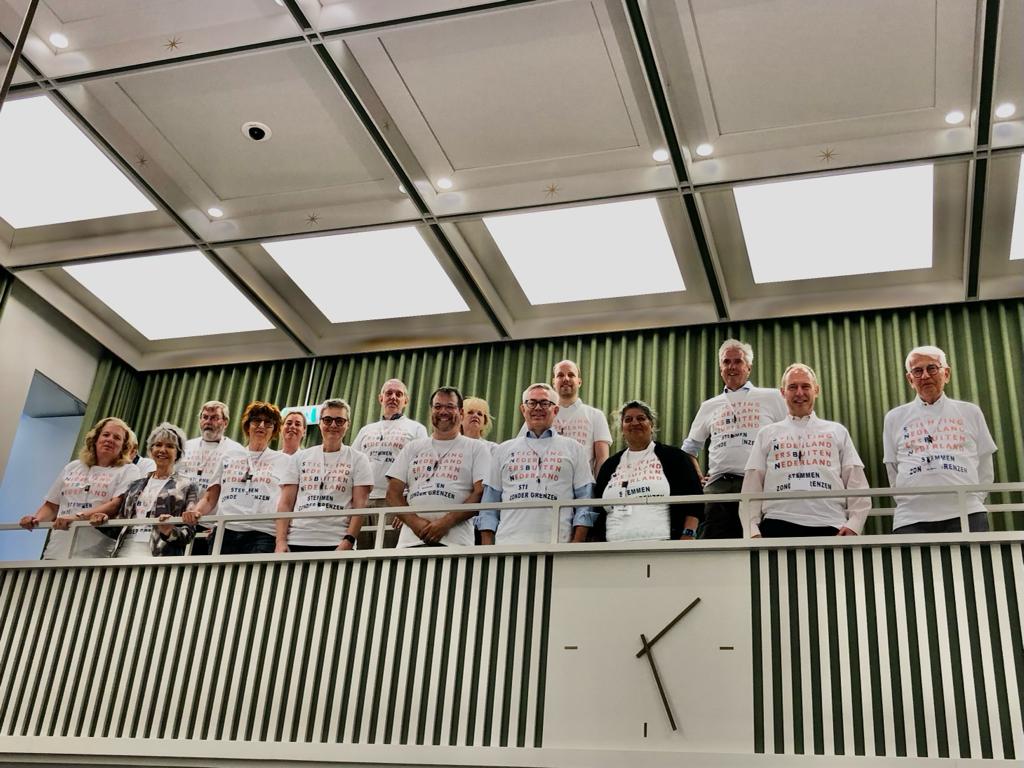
[41,448]
[34,336]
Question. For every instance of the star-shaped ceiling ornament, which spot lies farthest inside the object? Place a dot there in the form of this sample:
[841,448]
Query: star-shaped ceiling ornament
[552,189]
[827,154]
[313,218]
[173,44]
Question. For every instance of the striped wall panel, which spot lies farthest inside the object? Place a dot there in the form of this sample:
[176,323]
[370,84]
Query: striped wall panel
[889,651]
[401,651]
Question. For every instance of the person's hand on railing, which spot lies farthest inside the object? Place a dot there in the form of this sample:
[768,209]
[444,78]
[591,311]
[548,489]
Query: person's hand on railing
[191,517]
[28,522]
[281,547]
[345,545]
[97,519]
[63,522]
[165,530]
[844,531]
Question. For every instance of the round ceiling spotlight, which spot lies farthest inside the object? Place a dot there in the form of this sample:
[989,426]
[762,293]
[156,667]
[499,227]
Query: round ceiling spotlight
[955,117]
[59,40]
[214,213]
[660,155]
[444,183]
[401,188]
[1005,110]
[705,150]
[256,131]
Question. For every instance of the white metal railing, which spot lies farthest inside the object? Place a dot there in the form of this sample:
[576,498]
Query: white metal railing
[555,508]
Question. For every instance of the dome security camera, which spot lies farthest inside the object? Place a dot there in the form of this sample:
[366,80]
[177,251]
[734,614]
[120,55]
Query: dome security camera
[256,131]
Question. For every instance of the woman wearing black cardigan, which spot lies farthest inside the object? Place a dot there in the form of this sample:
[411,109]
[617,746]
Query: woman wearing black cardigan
[645,469]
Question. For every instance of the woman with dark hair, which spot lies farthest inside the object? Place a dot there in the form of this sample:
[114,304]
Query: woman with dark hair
[94,482]
[162,493]
[646,469]
[248,482]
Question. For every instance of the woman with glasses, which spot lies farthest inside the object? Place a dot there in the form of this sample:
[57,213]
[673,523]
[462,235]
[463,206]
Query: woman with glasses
[248,482]
[325,478]
[646,469]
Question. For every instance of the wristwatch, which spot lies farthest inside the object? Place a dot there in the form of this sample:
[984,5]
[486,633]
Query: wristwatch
[349,538]
[689,532]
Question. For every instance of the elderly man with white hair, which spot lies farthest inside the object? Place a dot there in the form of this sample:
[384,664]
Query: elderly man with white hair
[731,420]
[804,453]
[935,440]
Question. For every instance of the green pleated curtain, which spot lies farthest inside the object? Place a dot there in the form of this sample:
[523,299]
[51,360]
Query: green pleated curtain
[859,359]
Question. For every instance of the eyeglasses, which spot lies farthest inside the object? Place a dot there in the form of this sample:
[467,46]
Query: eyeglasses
[333,421]
[931,369]
[258,422]
[545,404]
[447,407]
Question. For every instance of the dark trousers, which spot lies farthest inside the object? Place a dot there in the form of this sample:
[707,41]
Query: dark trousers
[722,518]
[976,522]
[204,545]
[247,543]
[309,548]
[778,529]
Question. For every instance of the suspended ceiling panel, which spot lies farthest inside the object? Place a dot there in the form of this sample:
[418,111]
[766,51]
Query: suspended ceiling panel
[801,85]
[1002,255]
[1008,90]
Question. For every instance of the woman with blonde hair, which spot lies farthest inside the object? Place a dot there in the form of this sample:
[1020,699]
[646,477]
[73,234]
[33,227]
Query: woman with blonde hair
[476,420]
[94,482]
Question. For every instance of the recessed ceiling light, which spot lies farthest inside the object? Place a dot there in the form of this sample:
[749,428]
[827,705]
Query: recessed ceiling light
[851,224]
[343,275]
[705,150]
[35,135]
[59,40]
[660,155]
[444,183]
[215,213]
[1006,109]
[955,117]
[576,254]
[279,2]
[1017,233]
[116,284]
[401,188]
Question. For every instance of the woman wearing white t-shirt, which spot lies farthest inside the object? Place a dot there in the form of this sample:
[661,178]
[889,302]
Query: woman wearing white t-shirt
[476,420]
[646,469]
[248,482]
[163,494]
[94,482]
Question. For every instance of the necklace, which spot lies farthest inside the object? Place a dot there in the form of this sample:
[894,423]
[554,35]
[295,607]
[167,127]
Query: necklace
[249,463]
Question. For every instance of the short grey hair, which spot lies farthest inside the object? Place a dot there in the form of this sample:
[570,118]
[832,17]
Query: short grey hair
[168,432]
[335,402]
[385,386]
[742,346]
[215,404]
[552,395]
[929,352]
[798,367]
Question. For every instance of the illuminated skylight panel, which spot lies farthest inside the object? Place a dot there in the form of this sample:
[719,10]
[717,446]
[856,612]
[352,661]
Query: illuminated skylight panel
[171,296]
[52,173]
[590,252]
[1017,235]
[375,275]
[851,224]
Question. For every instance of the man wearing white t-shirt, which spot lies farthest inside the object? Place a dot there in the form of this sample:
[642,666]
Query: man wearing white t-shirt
[731,420]
[203,456]
[577,420]
[542,466]
[444,469]
[935,440]
[804,453]
[325,478]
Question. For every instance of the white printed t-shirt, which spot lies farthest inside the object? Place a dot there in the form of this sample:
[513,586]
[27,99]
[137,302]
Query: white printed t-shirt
[382,441]
[582,423]
[805,454]
[250,484]
[143,506]
[938,444]
[76,489]
[440,472]
[325,482]
[638,475]
[732,420]
[201,460]
[546,469]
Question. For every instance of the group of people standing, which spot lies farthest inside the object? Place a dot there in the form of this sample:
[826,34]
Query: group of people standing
[759,440]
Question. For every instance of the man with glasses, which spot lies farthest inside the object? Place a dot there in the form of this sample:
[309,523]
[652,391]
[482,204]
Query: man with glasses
[382,440]
[442,470]
[203,456]
[935,440]
[325,478]
[541,466]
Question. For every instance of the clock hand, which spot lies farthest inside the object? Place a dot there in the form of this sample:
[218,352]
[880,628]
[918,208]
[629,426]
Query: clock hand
[657,679]
[668,626]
